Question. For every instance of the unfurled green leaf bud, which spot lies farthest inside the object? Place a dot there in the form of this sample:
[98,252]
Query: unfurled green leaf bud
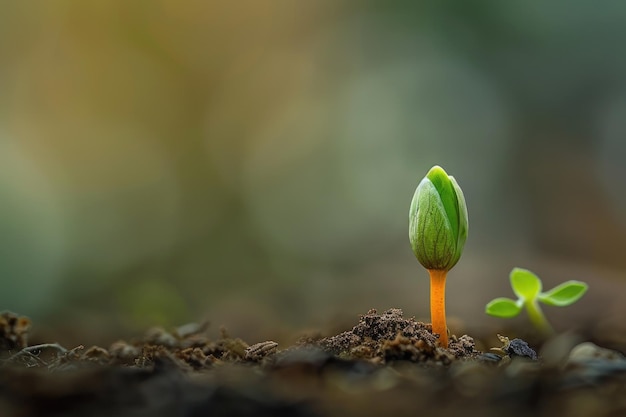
[438,221]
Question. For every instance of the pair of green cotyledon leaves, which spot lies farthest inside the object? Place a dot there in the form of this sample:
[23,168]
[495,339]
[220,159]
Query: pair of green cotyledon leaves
[527,286]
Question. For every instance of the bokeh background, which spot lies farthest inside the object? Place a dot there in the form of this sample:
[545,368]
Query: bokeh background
[251,163]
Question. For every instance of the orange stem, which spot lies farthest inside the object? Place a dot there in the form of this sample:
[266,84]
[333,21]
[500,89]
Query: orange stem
[438,304]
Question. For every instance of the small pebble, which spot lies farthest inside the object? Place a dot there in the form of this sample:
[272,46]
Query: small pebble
[489,357]
[588,351]
[518,347]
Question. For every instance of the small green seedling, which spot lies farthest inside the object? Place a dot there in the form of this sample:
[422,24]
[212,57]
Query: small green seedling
[527,286]
[438,226]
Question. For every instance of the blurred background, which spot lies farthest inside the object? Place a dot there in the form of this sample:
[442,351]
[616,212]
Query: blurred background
[251,163]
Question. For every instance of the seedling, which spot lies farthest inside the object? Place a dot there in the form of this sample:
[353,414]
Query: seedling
[438,226]
[527,286]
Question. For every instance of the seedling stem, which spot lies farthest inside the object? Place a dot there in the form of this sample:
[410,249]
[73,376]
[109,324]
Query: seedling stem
[438,304]
[537,318]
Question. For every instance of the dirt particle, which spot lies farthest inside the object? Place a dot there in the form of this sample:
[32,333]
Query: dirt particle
[123,352]
[259,351]
[13,331]
[97,354]
[194,357]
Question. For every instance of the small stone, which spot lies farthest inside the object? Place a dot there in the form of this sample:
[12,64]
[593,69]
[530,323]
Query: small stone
[518,347]
[124,351]
[159,336]
[588,351]
[489,357]
[190,329]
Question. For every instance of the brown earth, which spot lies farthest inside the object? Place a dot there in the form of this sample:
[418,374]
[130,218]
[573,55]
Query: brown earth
[385,365]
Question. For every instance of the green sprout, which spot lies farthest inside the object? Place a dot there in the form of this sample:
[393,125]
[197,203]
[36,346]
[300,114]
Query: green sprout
[527,286]
[438,225]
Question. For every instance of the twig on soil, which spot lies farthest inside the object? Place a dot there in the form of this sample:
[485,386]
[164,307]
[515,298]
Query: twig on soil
[64,361]
[32,352]
[31,356]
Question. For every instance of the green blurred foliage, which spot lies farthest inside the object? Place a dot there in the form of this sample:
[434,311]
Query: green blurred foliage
[164,161]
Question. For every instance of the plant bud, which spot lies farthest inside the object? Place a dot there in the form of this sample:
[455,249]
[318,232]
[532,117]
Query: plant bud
[438,221]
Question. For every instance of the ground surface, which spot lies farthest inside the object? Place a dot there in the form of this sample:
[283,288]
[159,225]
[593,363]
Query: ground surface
[387,364]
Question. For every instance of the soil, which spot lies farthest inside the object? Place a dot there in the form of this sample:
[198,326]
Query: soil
[386,364]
